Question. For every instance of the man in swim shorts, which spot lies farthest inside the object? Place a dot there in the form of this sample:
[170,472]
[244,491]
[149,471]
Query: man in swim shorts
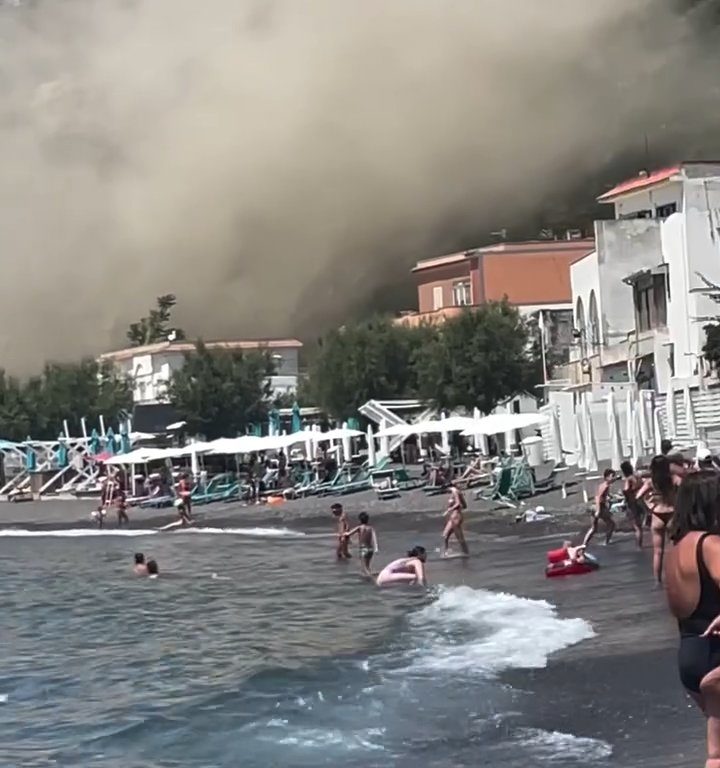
[601,509]
[342,527]
[367,539]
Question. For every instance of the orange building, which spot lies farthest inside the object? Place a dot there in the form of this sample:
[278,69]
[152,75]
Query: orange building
[533,275]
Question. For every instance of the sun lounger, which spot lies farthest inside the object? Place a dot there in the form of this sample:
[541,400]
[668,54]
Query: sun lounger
[502,489]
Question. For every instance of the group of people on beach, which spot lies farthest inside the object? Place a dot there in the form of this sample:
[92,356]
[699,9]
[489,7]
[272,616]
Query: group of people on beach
[405,570]
[680,500]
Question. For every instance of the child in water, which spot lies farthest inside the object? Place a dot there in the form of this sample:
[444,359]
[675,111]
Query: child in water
[342,550]
[367,539]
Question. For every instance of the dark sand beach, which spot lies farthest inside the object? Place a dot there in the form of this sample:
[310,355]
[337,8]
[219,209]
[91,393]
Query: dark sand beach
[620,687]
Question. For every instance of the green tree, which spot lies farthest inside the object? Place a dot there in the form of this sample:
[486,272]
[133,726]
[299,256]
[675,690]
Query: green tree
[220,392]
[477,359]
[371,359]
[155,326]
[63,392]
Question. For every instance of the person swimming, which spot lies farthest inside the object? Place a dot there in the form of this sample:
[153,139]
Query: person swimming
[152,569]
[692,584]
[408,570]
[140,567]
[367,539]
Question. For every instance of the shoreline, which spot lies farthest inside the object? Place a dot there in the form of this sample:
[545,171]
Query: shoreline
[620,686]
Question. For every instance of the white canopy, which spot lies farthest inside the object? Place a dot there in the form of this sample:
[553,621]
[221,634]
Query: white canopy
[430,427]
[341,433]
[497,423]
[139,456]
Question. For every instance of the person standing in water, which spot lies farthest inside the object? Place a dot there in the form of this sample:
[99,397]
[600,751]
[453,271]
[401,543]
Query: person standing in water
[342,527]
[185,494]
[659,492]
[454,526]
[635,508]
[408,570]
[601,510]
[367,539]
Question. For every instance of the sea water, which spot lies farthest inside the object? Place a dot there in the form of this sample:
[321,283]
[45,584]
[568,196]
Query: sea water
[254,648]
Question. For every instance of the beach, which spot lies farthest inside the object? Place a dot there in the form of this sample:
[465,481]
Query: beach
[566,694]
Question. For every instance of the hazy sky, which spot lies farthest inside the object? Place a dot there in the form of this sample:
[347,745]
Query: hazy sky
[267,160]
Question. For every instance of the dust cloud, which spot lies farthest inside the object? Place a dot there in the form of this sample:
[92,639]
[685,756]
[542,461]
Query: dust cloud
[276,162]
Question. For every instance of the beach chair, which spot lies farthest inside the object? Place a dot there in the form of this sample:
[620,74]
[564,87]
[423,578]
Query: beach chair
[384,484]
[548,476]
[502,489]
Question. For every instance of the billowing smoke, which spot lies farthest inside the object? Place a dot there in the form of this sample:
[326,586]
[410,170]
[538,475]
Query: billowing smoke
[275,162]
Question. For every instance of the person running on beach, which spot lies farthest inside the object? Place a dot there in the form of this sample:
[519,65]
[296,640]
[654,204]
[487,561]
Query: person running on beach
[408,570]
[367,539]
[659,492]
[601,510]
[140,567]
[342,527]
[454,526]
[635,508]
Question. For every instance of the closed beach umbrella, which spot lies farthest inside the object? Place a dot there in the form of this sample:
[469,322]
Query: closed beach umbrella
[670,410]
[110,441]
[480,441]
[556,447]
[629,418]
[645,402]
[580,451]
[444,437]
[372,459]
[657,431]
[94,444]
[125,444]
[296,418]
[510,434]
[590,443]
[384,440]
[689,414]
[637,449]
[62,455]
[30,459]
[309,453]
[346,445]
[616,450]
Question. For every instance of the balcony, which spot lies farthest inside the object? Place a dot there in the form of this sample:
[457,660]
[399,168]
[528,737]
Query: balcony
[414,319]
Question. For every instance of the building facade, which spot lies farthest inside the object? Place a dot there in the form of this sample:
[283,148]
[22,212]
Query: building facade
[534,276]
[150,367]
[640,299]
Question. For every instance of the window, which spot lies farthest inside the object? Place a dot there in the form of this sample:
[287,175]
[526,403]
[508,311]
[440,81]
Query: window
[461,293]
[437,297]
[650,299]
[644,214]
[663,211]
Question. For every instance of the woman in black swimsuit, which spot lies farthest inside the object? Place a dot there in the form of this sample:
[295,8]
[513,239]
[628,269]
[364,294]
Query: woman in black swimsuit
[692,577]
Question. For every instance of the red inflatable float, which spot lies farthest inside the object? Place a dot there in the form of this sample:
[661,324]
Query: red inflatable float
[561,564]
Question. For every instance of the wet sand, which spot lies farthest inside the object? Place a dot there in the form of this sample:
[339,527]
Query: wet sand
[621,686]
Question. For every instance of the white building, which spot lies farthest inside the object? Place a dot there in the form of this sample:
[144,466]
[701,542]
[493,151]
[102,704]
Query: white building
[639,300]
[151,366]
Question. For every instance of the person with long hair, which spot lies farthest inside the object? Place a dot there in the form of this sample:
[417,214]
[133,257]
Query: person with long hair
[692,583]
[659,492]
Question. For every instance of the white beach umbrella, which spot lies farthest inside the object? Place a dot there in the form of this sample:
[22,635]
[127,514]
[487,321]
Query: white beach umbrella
[340,433]
[307,435]
[370,437]
[580,450]
[616,450]
[646,401]
[480,441]
[630,411]
[497,423]
[657,430]
[590,443]
[670,413]
[689,413]
[384,440]
[556,446]
[345,440]
[637,448]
